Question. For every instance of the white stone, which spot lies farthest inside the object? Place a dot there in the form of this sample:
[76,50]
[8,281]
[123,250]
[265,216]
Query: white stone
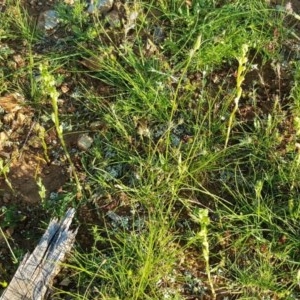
[48,20]
[84,142]
[101,6]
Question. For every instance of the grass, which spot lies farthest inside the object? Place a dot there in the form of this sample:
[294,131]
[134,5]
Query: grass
[195,138]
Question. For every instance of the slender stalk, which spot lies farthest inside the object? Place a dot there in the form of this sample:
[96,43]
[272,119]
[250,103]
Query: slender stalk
[14,258]
[201,217]
[51,91]
[191,55]
[239,81]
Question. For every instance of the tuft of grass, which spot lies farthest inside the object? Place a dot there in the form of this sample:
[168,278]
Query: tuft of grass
[130,265]
[142,153]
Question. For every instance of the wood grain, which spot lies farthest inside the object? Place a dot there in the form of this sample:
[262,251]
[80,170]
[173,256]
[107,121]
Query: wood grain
[36,272]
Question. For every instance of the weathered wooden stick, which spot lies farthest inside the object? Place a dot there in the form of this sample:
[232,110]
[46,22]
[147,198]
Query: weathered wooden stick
[36,272]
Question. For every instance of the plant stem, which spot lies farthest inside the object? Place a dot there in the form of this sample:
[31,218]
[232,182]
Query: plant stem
[239,81]
[50,90]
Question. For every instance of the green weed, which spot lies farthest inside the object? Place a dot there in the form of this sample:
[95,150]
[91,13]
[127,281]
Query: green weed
[49,88]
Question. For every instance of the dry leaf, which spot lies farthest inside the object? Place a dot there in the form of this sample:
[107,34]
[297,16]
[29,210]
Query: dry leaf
[9,118]
[3,139]
[64,88]
[21,119]
[12,102]
[92,63]
[150,48]
[19,60]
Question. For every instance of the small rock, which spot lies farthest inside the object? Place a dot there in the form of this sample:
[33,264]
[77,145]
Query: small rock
[7,197]
[131,22]
[84,142]
[158,35]
[48,20]
[65,282]
[96,125]
[113,19]
[101,6]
